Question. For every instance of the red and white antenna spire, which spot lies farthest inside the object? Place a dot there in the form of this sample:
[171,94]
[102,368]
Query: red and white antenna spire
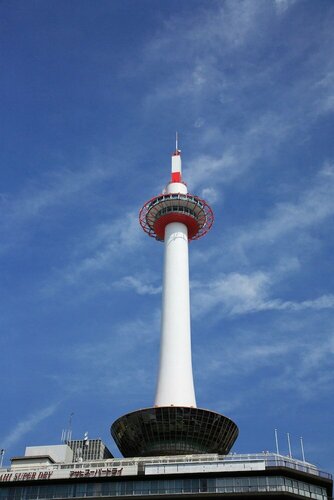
[176,162]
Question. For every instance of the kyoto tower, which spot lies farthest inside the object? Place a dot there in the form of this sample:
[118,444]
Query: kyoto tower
[175,425]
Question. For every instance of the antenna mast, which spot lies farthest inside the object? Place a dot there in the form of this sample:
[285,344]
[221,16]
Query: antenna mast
[302,447]
[66,434]
[289,444]
[276,440]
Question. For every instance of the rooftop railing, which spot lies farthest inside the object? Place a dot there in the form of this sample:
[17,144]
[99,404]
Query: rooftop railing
[270,459]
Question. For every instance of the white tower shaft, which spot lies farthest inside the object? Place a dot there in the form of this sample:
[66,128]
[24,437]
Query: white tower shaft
[175,380]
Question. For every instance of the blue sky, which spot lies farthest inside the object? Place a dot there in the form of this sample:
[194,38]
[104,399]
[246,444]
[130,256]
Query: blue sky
[91,96]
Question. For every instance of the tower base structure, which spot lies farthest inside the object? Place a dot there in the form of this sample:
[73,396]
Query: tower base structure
[173,430]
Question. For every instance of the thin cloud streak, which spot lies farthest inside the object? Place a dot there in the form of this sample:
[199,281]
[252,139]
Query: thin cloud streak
[28,424]
[315,205]
[61,185]
[90,361]
[298,360]
[99,251]
[140,285]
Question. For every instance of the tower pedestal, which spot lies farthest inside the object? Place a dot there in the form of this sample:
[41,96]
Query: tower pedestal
[173,430]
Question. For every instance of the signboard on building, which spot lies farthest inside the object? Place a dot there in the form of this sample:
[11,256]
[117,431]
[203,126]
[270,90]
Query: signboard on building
[32,474]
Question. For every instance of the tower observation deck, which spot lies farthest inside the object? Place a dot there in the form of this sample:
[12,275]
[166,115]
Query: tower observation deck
[175,425]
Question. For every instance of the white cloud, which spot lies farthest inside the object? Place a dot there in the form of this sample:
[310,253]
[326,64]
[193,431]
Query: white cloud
[108,241]
[241,150]
[141,285]
[322,302]
[236,294]
[314,205]
[115,341]
[210,194]
[283,5]
[98,251]
[211,86]
[297,358]
[123,349]
[28,424]
[60,185]
[63,187]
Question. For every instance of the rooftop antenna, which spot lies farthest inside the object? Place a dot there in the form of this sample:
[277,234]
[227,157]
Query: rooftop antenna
[69,433]
[2,453]
[289,445]
[302,447]
[276,441]
[66,434]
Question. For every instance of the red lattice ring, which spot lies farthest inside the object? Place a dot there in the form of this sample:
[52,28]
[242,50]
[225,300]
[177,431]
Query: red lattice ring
[161,210]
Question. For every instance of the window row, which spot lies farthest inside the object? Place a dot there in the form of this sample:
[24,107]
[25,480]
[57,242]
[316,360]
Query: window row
[162,487]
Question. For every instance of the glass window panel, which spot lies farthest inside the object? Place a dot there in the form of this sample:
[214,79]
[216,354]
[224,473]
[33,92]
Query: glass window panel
[187,485]
[4,492]
[90,489]
[105,488]
[80,490]
[17,493]
[145,486]
[137,486]
[178,485]
[195,485]
[10,493]
[46,491]
[122,488]
[253,481]
[156,486]
[203,485]
[228,481]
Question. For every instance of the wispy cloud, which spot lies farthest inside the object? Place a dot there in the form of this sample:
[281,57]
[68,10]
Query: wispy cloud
[141,284]
[98,251]
[295,360]
[124,349]
[235,294]
[37,198]
[241,150]
[313,205]
[108,241]
[248,108]
[50,190]
[283,5]
[28,424]
[287,223]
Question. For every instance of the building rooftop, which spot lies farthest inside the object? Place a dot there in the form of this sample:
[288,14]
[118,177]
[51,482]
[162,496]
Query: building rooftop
[246,475]
[175,464]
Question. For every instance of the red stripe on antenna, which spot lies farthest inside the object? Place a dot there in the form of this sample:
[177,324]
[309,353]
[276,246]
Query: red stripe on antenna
[176,177]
